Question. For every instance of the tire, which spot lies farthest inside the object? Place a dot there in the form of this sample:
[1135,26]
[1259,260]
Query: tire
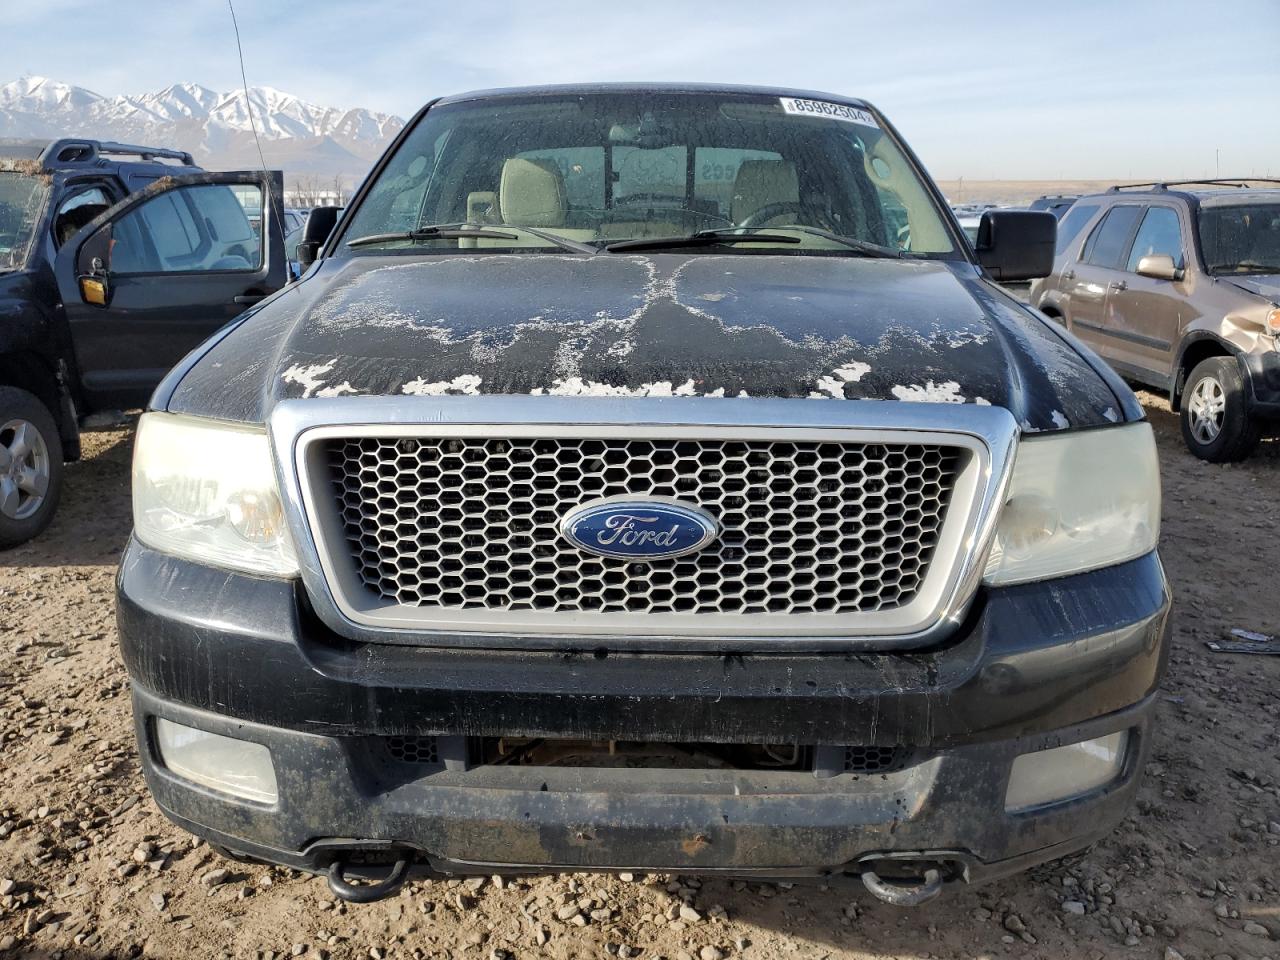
[1216,425]
[30,466]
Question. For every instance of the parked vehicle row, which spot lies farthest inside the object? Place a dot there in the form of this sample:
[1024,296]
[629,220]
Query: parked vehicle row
[609,370]
[1058,204]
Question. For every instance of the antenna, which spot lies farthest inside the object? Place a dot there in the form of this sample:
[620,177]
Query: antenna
[268,201]
[248,104]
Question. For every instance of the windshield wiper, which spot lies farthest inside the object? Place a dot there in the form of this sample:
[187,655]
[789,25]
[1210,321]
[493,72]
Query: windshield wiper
[755,235]
[458,231]
[702,238]
[862,246]
[450,232]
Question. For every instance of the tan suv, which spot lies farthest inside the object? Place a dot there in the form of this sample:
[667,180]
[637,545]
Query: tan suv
[1177,285]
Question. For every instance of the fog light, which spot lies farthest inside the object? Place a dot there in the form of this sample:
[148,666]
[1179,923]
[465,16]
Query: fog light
[237,767]
[1061,773]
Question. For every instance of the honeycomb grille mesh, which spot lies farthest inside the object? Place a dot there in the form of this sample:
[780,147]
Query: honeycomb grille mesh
[870,758]
[807,527]
[413,749]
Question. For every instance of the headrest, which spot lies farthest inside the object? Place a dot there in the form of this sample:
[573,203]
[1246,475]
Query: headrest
[532,193]
[482,207]
[760,183]
[70,222]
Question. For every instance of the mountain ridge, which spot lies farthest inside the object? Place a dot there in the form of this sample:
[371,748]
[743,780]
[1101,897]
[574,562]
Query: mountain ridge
[300,136]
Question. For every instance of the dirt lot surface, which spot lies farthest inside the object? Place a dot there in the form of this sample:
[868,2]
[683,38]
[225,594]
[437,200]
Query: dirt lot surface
[89,868]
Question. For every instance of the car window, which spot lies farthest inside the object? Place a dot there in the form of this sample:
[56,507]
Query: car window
[223,212]
[194,228]
[77,210]
[1160,233]
[1069,227]
[1110,240]
[90,196]
[607,167]
[22,202]
[1241,237]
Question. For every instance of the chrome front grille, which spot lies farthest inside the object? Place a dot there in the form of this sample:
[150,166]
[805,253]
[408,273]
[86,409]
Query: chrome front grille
[470,523]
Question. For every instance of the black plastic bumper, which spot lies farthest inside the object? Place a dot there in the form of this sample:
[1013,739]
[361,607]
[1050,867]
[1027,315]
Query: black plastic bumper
[1262,373]
[1034,666]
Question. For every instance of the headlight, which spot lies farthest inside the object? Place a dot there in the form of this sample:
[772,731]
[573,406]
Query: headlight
[1077,502]
[206,491]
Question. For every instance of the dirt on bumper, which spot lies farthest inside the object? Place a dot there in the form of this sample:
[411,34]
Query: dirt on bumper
[1033,667]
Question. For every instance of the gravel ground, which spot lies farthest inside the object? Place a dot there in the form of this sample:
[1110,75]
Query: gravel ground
[89,868]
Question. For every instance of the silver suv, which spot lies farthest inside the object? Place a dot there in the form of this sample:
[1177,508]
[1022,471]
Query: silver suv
[1177,285]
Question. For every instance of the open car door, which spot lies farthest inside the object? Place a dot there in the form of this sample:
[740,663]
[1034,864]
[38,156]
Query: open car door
[144,283]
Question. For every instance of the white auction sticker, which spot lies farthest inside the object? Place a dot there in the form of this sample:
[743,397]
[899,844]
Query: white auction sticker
[834,111]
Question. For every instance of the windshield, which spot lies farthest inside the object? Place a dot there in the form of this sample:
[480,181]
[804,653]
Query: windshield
[22,198]
[1242,238]
[597,169]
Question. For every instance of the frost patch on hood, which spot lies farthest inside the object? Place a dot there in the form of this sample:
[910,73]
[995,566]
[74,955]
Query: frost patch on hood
[833,385]
[466,384]
[337,390]
[308,377]
[930,392]
[577,387]
[963,338]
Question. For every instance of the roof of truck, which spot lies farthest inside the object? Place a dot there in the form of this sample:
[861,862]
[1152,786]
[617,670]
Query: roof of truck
[586,88]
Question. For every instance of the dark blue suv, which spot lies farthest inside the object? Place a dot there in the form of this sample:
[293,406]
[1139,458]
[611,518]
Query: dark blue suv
[72,344]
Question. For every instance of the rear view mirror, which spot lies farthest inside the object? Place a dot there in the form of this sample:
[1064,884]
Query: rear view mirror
[1159,266]
[319,225]
[1017,244]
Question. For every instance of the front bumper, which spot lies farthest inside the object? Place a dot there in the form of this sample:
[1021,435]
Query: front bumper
[1034,666]
[1262,374]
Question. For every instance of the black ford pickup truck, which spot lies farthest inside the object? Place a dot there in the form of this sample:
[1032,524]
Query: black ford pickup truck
[647,478]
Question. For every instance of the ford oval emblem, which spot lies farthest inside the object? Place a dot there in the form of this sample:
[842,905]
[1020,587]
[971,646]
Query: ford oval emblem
[638,528]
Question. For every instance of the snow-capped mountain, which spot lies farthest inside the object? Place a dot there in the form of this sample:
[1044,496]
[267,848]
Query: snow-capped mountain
[303,137]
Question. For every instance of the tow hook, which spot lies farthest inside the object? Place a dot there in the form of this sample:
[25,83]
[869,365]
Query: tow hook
[370,892]
[904,893]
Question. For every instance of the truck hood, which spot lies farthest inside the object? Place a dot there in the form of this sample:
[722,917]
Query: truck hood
[684,325]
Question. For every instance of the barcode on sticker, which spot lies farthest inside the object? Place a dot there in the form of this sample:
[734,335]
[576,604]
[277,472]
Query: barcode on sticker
[823,108]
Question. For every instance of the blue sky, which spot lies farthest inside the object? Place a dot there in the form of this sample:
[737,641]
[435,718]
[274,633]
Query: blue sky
[1012,90]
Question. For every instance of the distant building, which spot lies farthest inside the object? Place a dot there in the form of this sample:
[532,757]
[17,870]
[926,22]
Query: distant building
[307,197]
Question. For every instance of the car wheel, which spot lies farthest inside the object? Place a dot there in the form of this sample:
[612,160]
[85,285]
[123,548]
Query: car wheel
[1216,424]
[30,466]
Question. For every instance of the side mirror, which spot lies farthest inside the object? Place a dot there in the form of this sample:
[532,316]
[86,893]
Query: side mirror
[1159,266]
[1017,244]
[93,264]
[319,225]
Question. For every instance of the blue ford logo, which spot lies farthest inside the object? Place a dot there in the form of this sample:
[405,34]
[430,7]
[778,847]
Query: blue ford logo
[633,528]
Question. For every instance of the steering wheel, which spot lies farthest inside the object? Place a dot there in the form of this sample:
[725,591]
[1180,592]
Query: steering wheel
[805,214]
[770,210]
